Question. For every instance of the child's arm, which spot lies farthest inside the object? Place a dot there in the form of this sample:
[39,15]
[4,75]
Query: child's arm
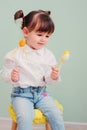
[8,67]
[53,74]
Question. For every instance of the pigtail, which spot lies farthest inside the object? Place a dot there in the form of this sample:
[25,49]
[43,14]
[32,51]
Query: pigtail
[19,18]
[48,12]
[18,14]
[45,12]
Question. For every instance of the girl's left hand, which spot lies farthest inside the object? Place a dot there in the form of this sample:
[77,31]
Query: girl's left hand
[55,73]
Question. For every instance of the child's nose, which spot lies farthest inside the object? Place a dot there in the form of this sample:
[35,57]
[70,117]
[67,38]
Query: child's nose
[43,39]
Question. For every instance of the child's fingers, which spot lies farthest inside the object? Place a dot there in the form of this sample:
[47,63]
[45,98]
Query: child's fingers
[54,69]
[15,75]
[16,69]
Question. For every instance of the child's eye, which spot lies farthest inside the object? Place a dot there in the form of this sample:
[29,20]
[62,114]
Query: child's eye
[47,36]
[39,34]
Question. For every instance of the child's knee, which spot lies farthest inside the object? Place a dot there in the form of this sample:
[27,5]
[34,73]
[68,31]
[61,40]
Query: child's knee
[25,118]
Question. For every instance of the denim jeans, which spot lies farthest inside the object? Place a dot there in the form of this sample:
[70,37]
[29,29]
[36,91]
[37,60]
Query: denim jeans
[24,100]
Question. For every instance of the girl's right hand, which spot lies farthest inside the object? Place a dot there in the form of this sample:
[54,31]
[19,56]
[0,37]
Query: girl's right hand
[15,75]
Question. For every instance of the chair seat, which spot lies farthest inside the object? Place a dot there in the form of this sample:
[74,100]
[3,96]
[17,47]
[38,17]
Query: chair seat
[39,117]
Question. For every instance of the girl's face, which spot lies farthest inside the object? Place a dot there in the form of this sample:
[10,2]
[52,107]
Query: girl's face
[37,40]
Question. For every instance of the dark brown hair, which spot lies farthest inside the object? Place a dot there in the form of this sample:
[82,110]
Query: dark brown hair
[39,20]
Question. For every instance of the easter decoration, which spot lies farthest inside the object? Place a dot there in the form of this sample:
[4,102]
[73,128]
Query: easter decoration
[63,58]
[21,44]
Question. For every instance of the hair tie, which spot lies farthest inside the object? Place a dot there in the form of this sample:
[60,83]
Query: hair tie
[23,17]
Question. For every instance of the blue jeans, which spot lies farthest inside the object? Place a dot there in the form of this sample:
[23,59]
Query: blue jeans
[24,100]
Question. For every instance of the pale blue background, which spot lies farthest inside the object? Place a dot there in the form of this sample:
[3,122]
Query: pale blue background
[70,18]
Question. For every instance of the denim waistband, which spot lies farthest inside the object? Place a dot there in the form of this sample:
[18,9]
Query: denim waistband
[28,89]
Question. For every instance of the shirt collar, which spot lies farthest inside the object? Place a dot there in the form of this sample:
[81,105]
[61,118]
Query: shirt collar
[30,50]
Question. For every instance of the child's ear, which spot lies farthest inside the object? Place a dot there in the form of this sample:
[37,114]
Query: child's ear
[25,31]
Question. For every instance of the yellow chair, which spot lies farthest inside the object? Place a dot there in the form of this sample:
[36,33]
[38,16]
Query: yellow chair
[39,117]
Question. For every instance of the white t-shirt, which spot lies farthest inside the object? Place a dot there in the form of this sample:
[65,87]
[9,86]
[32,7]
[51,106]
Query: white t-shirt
[34,66]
